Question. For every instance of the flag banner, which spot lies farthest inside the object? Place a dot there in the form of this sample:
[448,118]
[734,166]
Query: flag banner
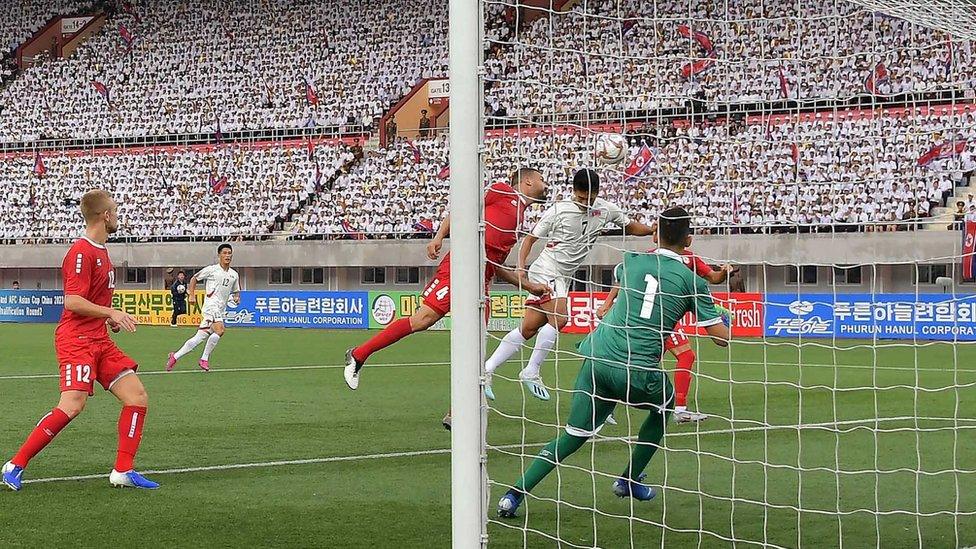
[639,164]
[877,77]
[969,252]
[942,151]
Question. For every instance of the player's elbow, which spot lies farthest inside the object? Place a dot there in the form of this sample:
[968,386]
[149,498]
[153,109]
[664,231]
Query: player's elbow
[72,303]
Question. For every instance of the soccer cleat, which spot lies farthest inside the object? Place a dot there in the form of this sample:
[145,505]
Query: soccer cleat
[623,488]
[508,505]
[171,362]
[687,416]
[351,371]
[611,420]
[535,386]
[204,365]
[446,422]
[131,479]
[489,393]
[11,475]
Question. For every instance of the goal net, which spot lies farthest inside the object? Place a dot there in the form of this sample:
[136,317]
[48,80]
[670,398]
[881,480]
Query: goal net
[823,149]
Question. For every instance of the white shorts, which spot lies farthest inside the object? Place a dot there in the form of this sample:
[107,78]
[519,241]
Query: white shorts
[543,273]
[211,317]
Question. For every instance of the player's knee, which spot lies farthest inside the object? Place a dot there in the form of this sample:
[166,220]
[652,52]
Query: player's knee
[423,318]
[559,322]
[137,397]
[72,404]
[687,357]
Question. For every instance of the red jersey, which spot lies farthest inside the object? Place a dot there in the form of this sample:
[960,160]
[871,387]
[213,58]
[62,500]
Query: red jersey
[86,272]
[504,210]
[695,263]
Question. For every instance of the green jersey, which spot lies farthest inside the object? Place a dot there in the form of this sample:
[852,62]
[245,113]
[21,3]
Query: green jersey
[656,291]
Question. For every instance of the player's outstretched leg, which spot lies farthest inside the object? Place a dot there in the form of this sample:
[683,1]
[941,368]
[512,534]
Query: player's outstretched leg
[212,341]
[423,318]
[69,406]
[535,318]
[188,346]
[544,342]
[129,390]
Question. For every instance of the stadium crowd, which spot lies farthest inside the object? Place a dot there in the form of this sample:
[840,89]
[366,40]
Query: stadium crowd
[228,191]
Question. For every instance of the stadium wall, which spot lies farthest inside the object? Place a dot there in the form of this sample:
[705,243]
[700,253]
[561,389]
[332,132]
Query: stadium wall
[887,259]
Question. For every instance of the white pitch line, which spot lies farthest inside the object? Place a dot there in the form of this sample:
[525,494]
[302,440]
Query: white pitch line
[442,451]
[196,371]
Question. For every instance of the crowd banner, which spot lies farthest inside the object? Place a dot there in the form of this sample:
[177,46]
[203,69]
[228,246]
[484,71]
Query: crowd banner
[941,317]
[155,307]
[25,306]
[747,312]
[505,309]
[275,309]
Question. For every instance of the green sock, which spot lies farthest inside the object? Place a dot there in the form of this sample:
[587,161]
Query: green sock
[557,450]
[651,433]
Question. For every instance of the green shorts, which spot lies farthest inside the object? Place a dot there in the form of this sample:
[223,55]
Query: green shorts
[600,387]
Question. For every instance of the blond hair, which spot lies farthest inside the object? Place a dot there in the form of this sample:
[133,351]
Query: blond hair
[95,203]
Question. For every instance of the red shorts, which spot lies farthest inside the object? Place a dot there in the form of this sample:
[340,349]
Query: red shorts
[675,340]
[437,294]
[84,361]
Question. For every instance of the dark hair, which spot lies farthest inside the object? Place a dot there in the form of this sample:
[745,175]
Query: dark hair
[674,226]
[181,273]
[223,247]
[587,181]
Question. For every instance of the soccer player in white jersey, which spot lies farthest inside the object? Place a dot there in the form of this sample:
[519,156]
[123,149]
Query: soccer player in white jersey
[222,286]
[570,229]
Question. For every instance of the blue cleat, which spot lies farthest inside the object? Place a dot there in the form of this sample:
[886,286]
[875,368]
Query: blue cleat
[623,488]
[11,475]
[509,504]
[489,394]
[131,479]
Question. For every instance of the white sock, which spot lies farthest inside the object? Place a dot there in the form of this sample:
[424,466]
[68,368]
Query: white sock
[211,343]
[508,346]
[191,344]
[544,342]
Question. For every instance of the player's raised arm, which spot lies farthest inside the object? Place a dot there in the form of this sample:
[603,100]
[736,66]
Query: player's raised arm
[636,228]
[524,251]
[434,247]
[518,279]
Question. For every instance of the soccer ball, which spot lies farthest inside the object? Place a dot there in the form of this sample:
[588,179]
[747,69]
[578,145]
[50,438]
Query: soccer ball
[611,148]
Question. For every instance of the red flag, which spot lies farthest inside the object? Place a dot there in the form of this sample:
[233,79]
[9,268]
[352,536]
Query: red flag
[784,86]
[351,231]
[639,164]
[942,152]
[218,186]
[445,172]
[705,43]
[102,90]
[127,8]
[126,35]
[795,151]
[969,252]
[948,61]
[311,149]
[879,75]
[39,168]
[310,94]
[416,151]
[628,25]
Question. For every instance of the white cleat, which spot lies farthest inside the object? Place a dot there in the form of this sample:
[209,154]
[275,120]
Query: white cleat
[535,387]
[351,371]
[687,416]
[611,420]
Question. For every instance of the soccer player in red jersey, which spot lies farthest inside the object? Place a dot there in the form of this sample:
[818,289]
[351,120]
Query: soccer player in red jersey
[87,354]
[677,343]
[504,209]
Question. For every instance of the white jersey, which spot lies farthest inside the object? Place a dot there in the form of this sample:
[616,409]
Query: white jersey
[570,232]
[218,287]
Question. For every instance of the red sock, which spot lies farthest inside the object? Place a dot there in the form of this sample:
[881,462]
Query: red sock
[390,335]
[42,435]
[682,377]
[131,421]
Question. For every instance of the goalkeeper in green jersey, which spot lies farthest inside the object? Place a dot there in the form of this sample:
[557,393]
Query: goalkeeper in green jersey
[621,358]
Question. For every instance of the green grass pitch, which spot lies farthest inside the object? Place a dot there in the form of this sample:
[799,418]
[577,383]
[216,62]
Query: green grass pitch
[371,468]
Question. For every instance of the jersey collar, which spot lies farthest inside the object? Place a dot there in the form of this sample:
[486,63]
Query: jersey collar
[667,253]
[93,243]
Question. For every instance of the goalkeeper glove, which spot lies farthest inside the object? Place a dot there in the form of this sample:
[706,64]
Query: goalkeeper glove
[725,313]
